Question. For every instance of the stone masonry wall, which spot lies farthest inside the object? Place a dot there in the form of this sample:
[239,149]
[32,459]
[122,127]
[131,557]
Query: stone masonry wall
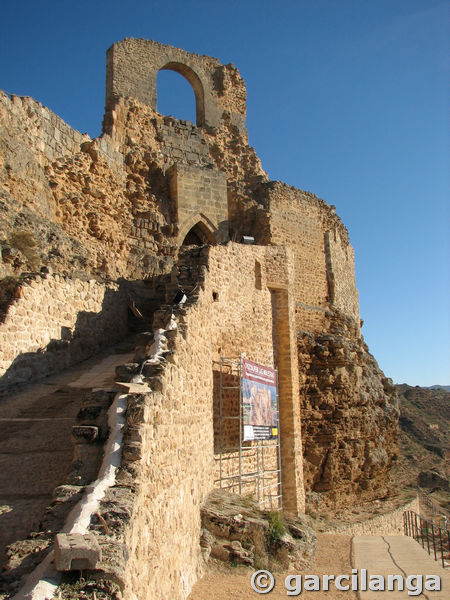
[181,141]
[386,524]
[45,132]
[54,322]
[133,64]
[324,263]
[341,274]
[200,195]
[247,320]
[53,137]
[173,477]
[175,434]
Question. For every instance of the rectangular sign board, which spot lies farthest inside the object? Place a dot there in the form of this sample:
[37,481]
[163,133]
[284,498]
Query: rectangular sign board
[260,402]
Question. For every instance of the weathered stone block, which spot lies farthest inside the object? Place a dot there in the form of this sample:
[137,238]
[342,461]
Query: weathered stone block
[74,551]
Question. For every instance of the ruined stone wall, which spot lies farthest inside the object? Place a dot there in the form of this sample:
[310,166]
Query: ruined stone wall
[43,133]
[70,202]
[341,274]
[324,263]
[390,523]
[54,322]
[132,66]
[174,436]
[181,141]
[104,206]
[109,201]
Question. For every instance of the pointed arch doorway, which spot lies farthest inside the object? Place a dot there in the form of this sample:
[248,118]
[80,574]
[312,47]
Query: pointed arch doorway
[198,233]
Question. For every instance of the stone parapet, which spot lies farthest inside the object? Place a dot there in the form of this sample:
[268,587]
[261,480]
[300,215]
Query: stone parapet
[390,523]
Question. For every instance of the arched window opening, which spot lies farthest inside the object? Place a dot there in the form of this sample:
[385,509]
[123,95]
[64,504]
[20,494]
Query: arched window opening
[199,235]
[175,96]
[175,84]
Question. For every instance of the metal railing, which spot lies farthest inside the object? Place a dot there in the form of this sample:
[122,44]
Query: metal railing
[433,538]
[429,505]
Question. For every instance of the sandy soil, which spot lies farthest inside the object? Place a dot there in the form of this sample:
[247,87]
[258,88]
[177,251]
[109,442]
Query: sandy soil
[333,557]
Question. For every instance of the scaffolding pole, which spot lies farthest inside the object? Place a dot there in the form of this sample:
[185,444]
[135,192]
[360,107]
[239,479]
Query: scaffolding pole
[263,477]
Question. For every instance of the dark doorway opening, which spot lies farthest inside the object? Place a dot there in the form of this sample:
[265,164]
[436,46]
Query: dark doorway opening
[199,235]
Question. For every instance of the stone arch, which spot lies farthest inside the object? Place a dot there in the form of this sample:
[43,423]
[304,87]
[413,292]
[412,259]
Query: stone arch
[191,76]
[132,66]
[198,226]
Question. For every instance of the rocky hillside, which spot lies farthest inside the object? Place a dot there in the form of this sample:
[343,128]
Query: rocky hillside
[424,434]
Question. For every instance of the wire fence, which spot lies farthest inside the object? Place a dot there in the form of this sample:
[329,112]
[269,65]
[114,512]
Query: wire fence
[433,538]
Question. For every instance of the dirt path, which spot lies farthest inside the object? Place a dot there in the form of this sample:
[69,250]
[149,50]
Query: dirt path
[333,557]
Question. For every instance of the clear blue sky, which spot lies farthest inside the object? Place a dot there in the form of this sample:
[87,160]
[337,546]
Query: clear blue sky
[346,98]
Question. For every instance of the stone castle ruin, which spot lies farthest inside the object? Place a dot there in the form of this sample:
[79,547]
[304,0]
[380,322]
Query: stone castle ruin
[98,235]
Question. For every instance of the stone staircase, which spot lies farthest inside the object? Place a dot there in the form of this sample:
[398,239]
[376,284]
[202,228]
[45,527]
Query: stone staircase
[44,463]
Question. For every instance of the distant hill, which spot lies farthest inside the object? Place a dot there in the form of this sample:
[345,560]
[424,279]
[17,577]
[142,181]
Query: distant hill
[439,387]
[424,433]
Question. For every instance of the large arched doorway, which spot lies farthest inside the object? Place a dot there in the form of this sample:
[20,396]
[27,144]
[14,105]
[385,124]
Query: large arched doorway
[197,87]
[199,235]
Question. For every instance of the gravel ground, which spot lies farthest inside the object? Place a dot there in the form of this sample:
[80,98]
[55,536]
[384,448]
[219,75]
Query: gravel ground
[333,557]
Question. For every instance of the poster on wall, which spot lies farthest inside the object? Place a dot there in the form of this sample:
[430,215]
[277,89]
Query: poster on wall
[260,405]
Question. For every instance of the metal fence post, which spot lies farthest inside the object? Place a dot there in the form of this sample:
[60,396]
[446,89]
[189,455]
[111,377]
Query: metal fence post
[434,540]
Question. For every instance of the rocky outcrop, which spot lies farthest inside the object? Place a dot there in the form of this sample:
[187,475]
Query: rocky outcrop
[235,531]
[432,480]
[349,417]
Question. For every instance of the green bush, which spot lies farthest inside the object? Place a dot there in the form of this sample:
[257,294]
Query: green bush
[277,527]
